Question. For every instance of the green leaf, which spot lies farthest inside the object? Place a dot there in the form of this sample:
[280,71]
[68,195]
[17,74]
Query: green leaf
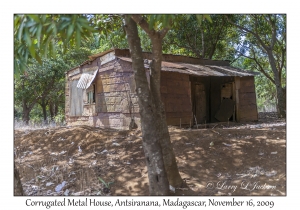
[199,19]
[165,21]
[103,182]
[38,34]
[27,37]
[32,50]
[70,31]
[78,38]
[38,58]
[151,22]
[208,18]
[35,18]
[20,31]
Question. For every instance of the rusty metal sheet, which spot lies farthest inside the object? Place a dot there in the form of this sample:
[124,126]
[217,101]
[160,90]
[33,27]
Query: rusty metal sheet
[225,111]
[86,80]
[197,69]
[230,71]
[172,65]
[92,79]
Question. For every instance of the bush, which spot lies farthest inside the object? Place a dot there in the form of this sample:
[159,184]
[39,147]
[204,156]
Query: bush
[59,119]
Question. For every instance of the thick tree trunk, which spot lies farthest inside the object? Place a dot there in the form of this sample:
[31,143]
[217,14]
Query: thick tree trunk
[158,181]
[281,96]
[18,189]
[169,157]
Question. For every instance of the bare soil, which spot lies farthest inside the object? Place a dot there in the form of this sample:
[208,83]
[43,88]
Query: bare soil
[224,159]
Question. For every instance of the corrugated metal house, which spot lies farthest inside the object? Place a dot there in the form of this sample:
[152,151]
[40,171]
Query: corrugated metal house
[101,91]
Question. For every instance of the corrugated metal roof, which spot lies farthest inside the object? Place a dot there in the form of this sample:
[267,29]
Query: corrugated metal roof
[92,57]
[86,80]
[199,70]
[92,79]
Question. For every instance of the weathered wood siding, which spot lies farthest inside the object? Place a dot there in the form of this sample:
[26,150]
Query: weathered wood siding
[176,96]
[246,101]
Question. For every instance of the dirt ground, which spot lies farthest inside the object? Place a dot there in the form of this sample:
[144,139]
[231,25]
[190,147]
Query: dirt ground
[225,159]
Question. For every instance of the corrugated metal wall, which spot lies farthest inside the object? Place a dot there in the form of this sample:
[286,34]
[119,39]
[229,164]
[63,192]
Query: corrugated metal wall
[176,96]
[247,99]
[116,99]
[76,102]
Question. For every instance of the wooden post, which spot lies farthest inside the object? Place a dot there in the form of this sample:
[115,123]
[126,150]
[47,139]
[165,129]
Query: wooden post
[196,121]
[233,113]
[237,88]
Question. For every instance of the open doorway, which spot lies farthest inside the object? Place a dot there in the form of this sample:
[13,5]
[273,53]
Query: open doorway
[213,99]
[227,106]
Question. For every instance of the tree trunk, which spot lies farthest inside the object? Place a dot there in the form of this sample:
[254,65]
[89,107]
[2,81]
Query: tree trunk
[281,98]
[55,109]
[174,177]
[43,104]
[281,102]
[18,189]
[158,181]
[51,110]
[26,112]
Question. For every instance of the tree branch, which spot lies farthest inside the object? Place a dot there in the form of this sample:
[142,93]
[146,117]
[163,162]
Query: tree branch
[163,32]
[249,31]
[273,28]
[260,67]
[140,20]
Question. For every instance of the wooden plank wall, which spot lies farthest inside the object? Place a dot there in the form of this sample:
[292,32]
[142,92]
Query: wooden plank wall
[247,107]
[176,96]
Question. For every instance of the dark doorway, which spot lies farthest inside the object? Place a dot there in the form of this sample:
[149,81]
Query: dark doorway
[208,97]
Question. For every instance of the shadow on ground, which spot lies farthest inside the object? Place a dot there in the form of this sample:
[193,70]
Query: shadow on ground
[239,160]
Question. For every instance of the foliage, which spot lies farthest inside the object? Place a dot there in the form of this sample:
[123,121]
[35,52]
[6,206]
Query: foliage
[45,81]
[37,82]
[263,44]
[42,35]
[210,39]
[262,47]
[106,184]
[59,118]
